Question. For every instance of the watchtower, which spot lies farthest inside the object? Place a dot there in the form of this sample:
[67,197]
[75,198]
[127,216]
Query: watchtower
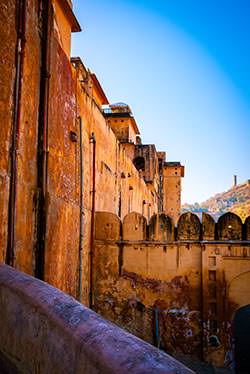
[172,174]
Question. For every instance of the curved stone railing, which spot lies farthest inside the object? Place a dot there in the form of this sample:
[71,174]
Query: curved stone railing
[44,330]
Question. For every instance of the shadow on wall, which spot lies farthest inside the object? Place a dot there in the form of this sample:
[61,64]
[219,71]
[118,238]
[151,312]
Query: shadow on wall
[160,228]
[241,335]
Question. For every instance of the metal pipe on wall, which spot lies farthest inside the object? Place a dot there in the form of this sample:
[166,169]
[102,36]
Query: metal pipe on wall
[202,319]
[91,253]
[21,16]
[81,213]
[156,327]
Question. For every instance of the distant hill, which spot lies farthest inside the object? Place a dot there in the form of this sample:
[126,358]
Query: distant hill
[236,200]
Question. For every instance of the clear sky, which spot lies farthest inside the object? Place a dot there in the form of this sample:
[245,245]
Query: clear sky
[183,66]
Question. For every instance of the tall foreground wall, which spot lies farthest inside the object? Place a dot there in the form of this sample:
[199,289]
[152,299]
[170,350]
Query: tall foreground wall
[44,95]
[29,100]
[39,197]
[176,288]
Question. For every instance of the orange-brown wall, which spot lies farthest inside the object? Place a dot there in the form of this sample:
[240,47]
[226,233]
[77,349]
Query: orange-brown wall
[119,188]
[27,149]
[7,74]
[120,127]
[27,139]
[62,27]
[123,128]
[62,229]
[62,198]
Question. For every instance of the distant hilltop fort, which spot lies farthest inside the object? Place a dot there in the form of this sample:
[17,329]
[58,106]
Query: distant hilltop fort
[236,199]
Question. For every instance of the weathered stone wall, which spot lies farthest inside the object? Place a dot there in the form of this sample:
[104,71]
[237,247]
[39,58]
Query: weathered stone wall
[148,153]
[119,188]
[45,331]
[7,82]
[62,173]
[27,147]
[192,279]
[62,233]
[62,200]
[26,138]
[116,176]
[120,127]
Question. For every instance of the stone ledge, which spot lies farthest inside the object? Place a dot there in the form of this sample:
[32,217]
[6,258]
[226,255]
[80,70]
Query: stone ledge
[44,330]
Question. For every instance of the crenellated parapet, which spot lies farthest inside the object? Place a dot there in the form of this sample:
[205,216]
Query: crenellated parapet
[197,271]
[229,227]
[208,227]
[188,227]
[107,226]
[247,228]
[134,227]
[161,228]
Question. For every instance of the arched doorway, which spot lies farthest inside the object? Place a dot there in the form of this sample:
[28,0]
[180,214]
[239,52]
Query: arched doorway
[241,335]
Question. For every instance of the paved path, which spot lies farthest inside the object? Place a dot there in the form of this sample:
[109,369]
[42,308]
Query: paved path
[200,367]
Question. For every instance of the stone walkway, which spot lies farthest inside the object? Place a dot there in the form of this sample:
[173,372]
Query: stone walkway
[200,367]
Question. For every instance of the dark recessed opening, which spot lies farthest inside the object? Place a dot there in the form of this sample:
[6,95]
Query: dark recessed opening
[139,163]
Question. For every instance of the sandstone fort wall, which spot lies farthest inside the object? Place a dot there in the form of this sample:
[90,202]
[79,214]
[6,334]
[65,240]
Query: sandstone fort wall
[192,278]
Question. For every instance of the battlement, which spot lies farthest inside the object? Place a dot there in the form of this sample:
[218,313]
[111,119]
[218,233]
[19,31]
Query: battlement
[135,227]
[191,278]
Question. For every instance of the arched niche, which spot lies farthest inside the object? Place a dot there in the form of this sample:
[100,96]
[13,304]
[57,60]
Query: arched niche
[107,226]
[238,289]
[139,163]
[208,227]
[241,338]
[188,227]
[161,228]
[134,227]
[247,228]
[229,227]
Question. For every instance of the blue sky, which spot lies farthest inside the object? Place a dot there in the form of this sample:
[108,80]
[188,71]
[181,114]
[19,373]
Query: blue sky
[183,66]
